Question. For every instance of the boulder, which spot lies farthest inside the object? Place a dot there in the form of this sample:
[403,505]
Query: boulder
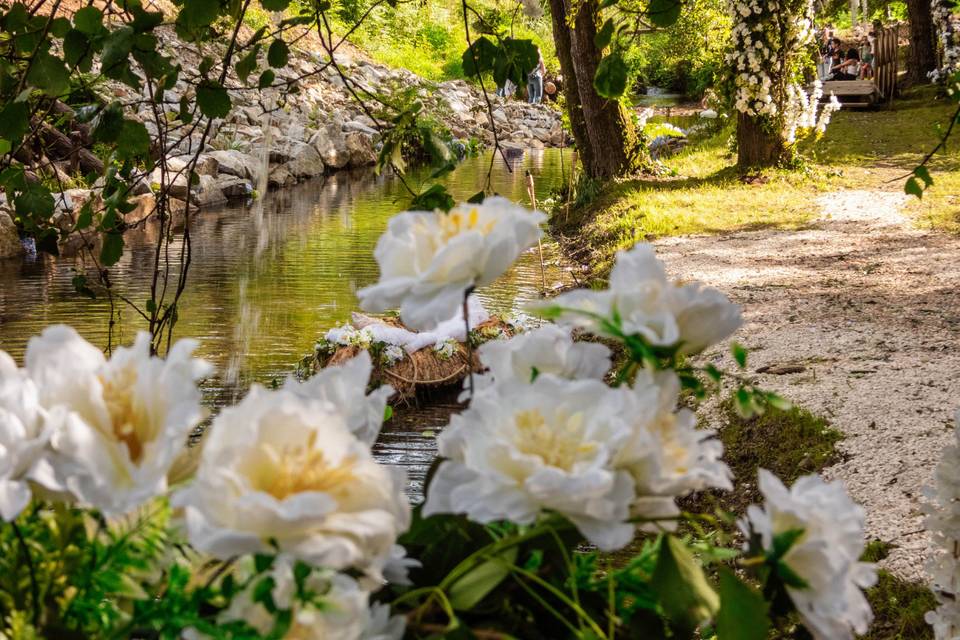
[144,206]
[10,245]
[233,187]
[331,144]
[356,125]
[306,161]
[360,150]
[208,192]
[280,177]
[237,163]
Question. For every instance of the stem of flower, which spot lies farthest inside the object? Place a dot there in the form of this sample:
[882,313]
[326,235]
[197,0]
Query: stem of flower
[466,324]
[34,588]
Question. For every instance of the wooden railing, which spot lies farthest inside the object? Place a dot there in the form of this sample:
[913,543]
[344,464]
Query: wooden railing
[885,59]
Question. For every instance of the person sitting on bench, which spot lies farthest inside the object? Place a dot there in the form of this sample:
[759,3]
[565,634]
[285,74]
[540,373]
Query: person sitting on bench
[849,69]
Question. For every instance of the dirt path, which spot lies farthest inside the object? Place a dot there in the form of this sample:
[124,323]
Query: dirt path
[870,307]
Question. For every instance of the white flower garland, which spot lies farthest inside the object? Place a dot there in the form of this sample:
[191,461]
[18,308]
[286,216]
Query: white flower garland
[949,39]
[758,68]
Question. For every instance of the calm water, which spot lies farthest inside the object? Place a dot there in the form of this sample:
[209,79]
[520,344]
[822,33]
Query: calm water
[260,295]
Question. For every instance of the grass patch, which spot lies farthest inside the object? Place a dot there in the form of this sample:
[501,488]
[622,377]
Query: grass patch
[861,150]
[898,605]
[788,443]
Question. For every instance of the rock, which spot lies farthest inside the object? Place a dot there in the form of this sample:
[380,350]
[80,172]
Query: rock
[280,177]
[207,165]
[355,125]
[331,144]
[360,150]
[233,187]
[238,164]
[144,207]
[208,193]
[10,245]
[306,162]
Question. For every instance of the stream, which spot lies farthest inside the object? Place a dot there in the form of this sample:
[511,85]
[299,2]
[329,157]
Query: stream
[264,286]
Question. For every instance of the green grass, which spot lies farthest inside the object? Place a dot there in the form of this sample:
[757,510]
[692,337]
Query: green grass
[898,605]
[861,150]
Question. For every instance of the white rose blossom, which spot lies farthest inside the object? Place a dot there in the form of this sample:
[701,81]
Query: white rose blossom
[118,424]
[826,555]
[282,471]
[664,313]
[428,260]
[24,433]
[549,349]
[550,445]
[345,386]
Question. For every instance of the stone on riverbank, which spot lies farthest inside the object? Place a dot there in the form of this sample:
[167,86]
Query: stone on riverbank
[10,246]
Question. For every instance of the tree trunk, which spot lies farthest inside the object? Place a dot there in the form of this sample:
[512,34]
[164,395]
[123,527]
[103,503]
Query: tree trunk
[922,57]
[609,131]
[757,146]
[571,91]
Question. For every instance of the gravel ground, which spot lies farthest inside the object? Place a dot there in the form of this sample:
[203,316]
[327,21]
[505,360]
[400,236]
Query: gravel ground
[868,307]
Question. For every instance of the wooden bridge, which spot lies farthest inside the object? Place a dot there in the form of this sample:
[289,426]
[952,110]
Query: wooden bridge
[883,86]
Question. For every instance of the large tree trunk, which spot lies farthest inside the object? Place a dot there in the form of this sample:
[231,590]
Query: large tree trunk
[571,91]
[609,131]
[757,146]
[922,58]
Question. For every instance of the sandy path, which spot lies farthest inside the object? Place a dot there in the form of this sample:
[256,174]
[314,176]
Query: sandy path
[869,306]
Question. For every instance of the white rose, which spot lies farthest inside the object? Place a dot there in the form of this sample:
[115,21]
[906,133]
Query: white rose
[428,260]
[344,386]
[281,471]
[119,423]
[24,434]
[549,349]
[826,555]
[520,450]
[663,313]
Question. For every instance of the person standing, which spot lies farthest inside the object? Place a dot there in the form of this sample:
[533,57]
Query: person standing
[535,80]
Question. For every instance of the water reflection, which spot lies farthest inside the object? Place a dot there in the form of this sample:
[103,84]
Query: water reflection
[260,295]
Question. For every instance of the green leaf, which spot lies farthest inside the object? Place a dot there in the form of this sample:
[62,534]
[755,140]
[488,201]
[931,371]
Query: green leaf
[469,590]
[199,13]
[479,57]
[85,217]
[685,595]
[783,542]
[14,121]
[110,124]
[212,99]
[247,64]
[663,13]
[275,5]
[34,203]
[112,248]
[88,20]
[477,198]
[266,79]
[80,285]
[134,141]
[5,147]
[743,611]
[924,174]
[77,51]
[278,54]
[436,197]
[739,354]
[49,74]
[611,78]
[387,413]
[913,188]
[186,114]
[59,27]
[603,37]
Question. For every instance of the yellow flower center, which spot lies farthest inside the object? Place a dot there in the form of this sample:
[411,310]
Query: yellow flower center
[300,468]
[118,396]
[559,444]
[674,451]
[455,223]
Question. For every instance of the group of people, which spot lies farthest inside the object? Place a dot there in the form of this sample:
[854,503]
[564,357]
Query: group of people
[535,83]
[856,63]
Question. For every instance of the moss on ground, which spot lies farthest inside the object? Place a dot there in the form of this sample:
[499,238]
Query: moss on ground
[861,150]
[898,605]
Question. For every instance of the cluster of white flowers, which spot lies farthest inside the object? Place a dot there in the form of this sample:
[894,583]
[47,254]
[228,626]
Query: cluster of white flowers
[349,336]
[391,354]
[943,522]
[102,433]
[761,69]
[801,111]
[428,260]
[445,348]
[949,37]
[545,433]
[342,610]
[825,555]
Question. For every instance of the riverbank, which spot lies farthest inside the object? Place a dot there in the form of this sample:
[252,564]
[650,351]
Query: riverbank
[848,288]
